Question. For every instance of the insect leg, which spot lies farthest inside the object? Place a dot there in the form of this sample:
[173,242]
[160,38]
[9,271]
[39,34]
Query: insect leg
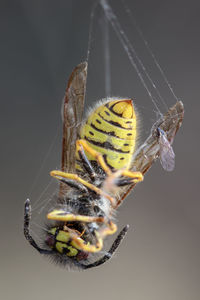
[80,244]
[111,229]
[27,218]
[60,175]
[77,241]
[98,156]
[110,253]
[136,176]
[61,215]
[74,184]
[86,163]
[124,181]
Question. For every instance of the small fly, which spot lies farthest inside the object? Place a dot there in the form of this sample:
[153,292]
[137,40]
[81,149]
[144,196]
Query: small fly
[167,155]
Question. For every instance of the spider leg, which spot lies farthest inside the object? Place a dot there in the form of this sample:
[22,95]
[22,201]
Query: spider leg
[27,218]
[110,253]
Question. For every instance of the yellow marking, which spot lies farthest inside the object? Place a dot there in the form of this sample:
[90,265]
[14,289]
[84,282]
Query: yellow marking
[61,215]
[108,127]
[61,246]
[82,233]
[114,141]
[109,230]
[63,236]
[72,251]
[53,231]
[124,108]
[79,244]
[113,158]
[113,122]
[137,176]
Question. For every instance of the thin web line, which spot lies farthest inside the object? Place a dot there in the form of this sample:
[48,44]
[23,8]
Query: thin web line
[91,31]
[112,18]
[107,57]
[43,163]
[131,16]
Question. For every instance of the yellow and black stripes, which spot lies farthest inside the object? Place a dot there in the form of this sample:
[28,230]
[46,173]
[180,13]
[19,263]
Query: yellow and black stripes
[60,240]
[111,130]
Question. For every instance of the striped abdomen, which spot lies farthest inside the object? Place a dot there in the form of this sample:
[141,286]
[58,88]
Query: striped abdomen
[111,130]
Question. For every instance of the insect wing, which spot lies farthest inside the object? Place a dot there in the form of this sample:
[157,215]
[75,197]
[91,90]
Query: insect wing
[72,113]
[167,155]
[149,151]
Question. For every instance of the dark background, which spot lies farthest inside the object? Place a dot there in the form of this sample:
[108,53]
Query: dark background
[41,42]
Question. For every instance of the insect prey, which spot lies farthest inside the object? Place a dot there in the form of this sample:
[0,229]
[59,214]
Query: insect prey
[100,166]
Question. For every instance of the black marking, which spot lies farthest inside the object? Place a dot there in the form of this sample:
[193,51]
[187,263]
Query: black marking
[98,170]
[110,133]
[98,211]
[90,132]
[126,144]
[105,159]
[98,121]
[86,164]
[74,184]
[129,134]
[110,253]
[65,250]
[108,114]
[114,123]
[105,145]
[124,182]
[27,218]
[57,232]
[128,122]
[122,158]
[111,109]
[117,124]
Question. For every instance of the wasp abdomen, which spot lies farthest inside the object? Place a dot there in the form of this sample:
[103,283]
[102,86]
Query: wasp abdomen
[111,130]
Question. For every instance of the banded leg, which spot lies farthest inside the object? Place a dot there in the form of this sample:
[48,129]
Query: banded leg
[75,185]
[110,253]
[111,229]
[61,215]
[98,156]
[27,218]
[80,244]
[77,241]
[60,175]
[136,176]
[85,161]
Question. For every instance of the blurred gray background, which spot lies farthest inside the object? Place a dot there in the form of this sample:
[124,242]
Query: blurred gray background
[41,42]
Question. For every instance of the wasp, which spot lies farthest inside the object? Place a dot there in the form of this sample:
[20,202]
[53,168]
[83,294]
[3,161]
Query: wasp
[100,166]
